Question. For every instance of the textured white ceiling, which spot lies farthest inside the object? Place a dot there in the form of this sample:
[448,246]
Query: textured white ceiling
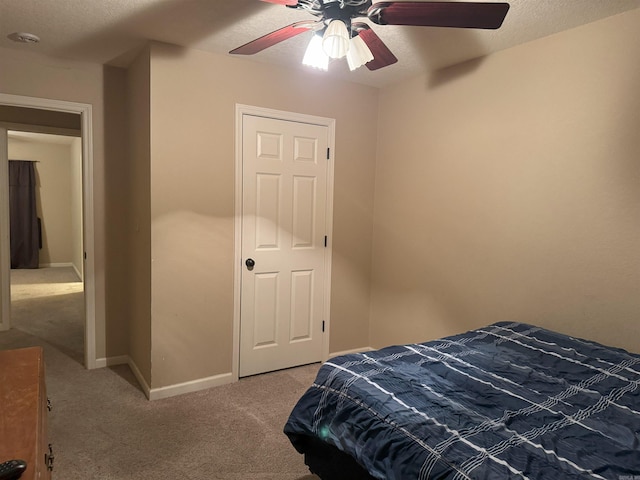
[105,31]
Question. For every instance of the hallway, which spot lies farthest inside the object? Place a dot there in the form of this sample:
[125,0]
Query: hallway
[48,303]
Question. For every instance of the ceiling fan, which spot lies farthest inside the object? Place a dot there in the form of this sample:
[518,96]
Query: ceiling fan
[338,35]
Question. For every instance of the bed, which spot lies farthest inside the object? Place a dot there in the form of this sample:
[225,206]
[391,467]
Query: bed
[508,400]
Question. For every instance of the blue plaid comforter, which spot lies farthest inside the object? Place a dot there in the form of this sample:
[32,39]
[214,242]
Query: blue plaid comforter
[506,401]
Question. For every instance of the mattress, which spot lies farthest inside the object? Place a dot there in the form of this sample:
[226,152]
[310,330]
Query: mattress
[508,400]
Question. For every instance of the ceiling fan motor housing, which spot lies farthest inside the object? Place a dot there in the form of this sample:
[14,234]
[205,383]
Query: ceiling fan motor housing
[330,10]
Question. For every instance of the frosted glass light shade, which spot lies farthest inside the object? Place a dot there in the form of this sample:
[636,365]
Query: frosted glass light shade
[335,42]
[314,55]
[358,54]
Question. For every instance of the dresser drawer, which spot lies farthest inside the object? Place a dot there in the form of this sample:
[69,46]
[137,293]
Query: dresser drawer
[23,411]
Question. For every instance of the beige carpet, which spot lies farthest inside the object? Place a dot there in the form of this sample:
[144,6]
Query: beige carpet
[48,303]
[103,428]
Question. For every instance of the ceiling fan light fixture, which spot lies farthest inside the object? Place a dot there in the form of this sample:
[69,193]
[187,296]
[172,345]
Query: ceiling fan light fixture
[358,54]
[336,19]
[314,55]
[335,41]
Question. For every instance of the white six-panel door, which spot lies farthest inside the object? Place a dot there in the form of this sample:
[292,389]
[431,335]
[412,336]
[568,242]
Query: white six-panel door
[284,208]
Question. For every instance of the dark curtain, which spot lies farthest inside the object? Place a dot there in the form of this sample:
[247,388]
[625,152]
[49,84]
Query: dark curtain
[23,217]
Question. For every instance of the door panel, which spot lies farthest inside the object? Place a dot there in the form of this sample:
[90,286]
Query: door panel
[301,305]
[284,204]
[304,212]
[267,198]
[265,327]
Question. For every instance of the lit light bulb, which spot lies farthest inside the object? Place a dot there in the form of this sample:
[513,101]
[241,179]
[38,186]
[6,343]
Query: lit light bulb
[315,56]
[335,41]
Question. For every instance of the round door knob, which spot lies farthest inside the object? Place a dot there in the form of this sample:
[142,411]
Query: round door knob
[250,263]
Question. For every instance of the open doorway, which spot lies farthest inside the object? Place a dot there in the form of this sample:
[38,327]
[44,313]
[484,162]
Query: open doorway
[45,116]
[47,289]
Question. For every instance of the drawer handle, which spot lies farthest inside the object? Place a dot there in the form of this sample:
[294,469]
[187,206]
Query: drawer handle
[49,458]
[49,406]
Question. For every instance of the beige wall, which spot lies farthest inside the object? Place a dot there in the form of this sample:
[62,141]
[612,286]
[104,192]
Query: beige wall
[509,189]
[135,185]
[193,98]
[193,338]
[34,75]
[40,121]
[53,195]
[76,206]
[117,208]
[506,188]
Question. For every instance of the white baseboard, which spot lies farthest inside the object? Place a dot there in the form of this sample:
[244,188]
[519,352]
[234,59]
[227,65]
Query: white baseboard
[170,390]
[112,361]
[192,386]
[55,265]
[347,352]
[125,360]
[143,383]
[58,265]
[77,272]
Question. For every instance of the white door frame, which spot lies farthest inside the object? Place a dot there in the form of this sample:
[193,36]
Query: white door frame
[330,123]
[86,119]
[5,267]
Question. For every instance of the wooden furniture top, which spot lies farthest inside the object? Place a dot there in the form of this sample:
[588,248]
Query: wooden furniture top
[21,400]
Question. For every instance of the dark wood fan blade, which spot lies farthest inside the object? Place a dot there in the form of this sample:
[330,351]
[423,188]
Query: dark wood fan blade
[270,39]
[382,56]
[282,2]
[440,14]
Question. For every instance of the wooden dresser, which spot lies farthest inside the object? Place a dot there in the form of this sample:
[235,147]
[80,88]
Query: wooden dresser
[23,412]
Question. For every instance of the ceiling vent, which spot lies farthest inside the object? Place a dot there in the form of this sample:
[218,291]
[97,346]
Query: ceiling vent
[23,37]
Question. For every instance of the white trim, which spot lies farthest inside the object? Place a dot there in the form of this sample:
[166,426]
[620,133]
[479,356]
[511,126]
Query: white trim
[329,229]
[78,273]
[63,265]
[59,265]
[88,244]
[190,387]
[112,361]
[330,123]
[138,374]
[5,254]
[354,350]
[86,119]
[125,360]
[170,390]
[237,249]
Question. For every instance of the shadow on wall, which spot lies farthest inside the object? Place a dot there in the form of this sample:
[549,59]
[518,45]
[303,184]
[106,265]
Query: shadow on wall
[437,45]
[443,76]
[44,244]
[120,210]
